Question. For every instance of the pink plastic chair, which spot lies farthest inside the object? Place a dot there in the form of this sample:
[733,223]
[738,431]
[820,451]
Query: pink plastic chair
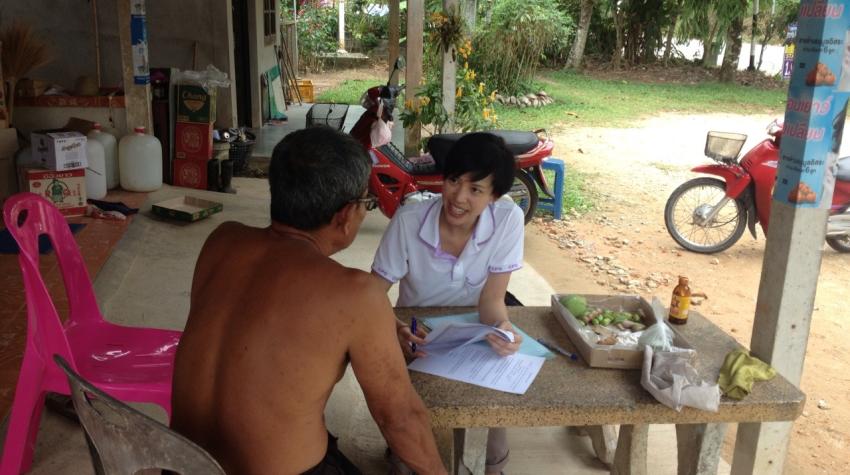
[130,364]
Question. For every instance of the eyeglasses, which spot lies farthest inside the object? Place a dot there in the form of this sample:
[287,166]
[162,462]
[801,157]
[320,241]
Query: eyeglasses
[371,202]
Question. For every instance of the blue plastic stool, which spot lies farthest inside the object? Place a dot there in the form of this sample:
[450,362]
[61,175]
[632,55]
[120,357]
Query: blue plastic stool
[549,204]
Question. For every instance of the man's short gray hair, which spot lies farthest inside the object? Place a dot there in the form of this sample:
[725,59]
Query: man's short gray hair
[313,173]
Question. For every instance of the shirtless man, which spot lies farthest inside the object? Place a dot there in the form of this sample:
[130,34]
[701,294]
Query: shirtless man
[274,321]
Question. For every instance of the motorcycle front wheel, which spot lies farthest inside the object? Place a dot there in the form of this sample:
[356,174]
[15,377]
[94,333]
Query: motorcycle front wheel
[692,201]
[840,244]
[524,194]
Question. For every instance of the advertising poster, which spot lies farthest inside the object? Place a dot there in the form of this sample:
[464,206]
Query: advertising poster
[139,41]
[817,105]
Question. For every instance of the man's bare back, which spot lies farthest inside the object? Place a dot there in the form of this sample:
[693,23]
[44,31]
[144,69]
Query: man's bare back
[272,325]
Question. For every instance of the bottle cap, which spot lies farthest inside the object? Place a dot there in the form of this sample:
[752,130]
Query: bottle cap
[139,129]
[96,126]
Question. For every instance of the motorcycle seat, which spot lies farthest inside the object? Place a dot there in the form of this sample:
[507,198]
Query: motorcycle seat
[842,169]
[518,142]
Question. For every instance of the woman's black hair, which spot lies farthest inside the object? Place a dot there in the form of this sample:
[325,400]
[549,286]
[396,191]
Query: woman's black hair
[482,155]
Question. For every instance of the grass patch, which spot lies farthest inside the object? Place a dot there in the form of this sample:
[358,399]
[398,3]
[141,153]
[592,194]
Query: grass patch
[578,194]
[584,101]
[347,92]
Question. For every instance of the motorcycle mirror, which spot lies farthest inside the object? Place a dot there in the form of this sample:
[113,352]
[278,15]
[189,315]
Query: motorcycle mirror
[399,64]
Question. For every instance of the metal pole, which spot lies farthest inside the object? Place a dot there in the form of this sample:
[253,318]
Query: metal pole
[341,27]
[752,66]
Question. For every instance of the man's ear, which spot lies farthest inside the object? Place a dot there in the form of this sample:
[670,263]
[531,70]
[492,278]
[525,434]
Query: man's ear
[344,219]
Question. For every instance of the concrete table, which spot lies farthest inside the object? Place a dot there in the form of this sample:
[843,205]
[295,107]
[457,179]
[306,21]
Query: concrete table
[568,393]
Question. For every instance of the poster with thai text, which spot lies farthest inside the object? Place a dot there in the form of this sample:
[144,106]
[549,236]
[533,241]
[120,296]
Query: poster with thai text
[817,105]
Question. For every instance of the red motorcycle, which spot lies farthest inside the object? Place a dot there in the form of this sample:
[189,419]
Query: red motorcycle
[395,178]
[708,215]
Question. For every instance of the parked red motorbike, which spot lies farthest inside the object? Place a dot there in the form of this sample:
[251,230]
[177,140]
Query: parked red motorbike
[396,178]
[708,215]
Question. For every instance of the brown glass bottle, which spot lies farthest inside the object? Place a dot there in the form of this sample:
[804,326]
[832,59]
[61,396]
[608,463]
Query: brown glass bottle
[680,303]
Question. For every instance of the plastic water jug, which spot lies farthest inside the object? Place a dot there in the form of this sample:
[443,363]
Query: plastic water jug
[95,171]
[110,150]
[140,161]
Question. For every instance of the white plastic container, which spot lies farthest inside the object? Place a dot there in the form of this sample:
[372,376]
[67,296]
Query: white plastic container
[95,170]
[110,150]
[140,161]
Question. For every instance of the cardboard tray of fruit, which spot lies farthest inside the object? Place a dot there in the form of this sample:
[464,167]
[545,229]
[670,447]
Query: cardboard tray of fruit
[605,328]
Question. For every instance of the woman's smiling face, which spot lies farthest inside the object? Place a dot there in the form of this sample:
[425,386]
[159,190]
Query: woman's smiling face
[464,199]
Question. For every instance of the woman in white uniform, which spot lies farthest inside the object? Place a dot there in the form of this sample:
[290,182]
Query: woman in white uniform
[460,250]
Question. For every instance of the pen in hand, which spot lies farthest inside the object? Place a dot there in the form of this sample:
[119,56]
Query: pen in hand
[558,349]
[413,331]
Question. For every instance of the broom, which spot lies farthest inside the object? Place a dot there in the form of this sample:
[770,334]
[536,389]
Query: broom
[23,51]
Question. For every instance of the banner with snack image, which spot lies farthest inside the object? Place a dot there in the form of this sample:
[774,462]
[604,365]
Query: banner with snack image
[817,105]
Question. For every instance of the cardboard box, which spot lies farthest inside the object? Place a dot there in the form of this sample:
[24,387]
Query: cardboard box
[8,174]
[190,173]
[608,356]
[65,189]
[305,88]
[31,87]
[59,149]
[193,141]
[186,208]
[194,104]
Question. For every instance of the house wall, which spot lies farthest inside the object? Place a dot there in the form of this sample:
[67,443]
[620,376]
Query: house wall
[173,29]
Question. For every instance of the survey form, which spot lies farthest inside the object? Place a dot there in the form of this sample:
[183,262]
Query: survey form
[480,365]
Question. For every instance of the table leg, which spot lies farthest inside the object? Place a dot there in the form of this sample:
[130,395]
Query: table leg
[604,439]
[630,458]
[699,447]
[450,444]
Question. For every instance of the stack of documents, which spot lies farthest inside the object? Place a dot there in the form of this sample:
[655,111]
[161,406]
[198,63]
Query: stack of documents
[459,351]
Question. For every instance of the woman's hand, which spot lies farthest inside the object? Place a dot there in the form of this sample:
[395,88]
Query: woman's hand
[406,339]
[500,345]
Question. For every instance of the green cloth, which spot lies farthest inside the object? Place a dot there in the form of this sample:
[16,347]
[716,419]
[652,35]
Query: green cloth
[740,371]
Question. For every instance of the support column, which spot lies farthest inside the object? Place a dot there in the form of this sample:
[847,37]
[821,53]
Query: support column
[450,445]
[630,458]
[137,97]
[450,7]
[413,71]
[394,30]
[699,448]
[814,122]
[604,441]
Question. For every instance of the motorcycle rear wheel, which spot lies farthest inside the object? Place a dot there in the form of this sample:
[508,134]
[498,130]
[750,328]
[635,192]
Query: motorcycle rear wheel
[691,199]
[524,194]
[840,244]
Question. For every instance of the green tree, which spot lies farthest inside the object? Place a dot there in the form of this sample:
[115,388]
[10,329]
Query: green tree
[511,46]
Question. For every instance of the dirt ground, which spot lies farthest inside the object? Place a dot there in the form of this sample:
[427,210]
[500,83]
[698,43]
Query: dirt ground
[623,246]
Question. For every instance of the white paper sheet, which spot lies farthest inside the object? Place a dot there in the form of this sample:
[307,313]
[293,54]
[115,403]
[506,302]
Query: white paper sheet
[454,335]
[480,365]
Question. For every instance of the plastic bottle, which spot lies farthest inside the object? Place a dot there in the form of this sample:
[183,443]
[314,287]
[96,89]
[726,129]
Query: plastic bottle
[95,171]
[140,161]
[680,303]
[110,150]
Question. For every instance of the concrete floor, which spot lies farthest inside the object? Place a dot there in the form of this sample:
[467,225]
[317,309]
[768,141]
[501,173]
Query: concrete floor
[146,282]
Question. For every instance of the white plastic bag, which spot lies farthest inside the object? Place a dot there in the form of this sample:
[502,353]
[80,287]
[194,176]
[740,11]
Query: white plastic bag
[659,336]
[381,133]
[672,381]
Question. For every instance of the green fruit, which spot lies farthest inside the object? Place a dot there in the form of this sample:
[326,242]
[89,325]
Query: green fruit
[576,304]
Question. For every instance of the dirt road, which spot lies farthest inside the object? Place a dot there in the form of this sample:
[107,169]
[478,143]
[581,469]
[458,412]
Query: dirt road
[624,246]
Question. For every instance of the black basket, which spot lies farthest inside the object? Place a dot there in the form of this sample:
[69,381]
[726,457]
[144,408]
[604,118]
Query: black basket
[332,115]
[240,152]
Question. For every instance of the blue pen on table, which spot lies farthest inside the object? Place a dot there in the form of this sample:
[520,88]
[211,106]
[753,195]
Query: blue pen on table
[558,349]
[413,331]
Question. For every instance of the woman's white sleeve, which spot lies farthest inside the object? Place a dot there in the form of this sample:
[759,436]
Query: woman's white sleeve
[511,235]
[391,257]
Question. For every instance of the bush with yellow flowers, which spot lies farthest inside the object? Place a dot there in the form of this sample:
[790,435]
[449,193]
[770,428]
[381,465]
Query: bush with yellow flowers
[473,101]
